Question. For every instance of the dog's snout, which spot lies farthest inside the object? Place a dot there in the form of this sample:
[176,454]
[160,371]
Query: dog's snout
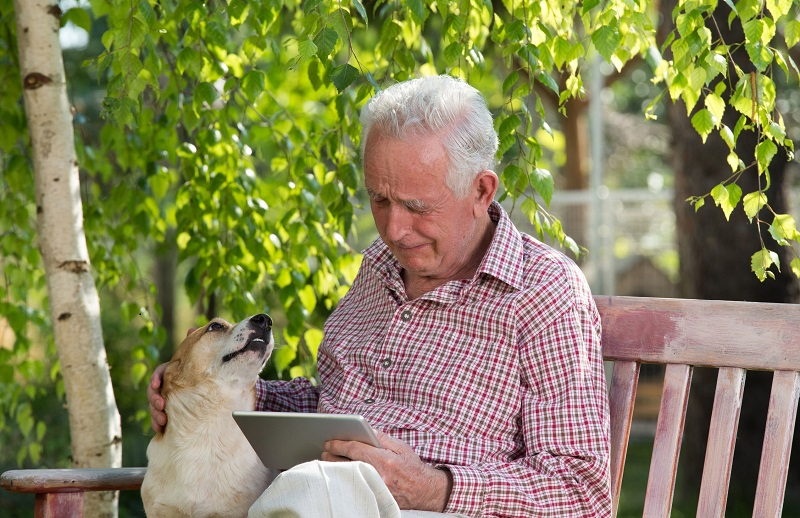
[261,320]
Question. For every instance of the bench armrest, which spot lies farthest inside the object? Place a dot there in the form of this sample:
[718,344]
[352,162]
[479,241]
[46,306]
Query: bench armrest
[71,480]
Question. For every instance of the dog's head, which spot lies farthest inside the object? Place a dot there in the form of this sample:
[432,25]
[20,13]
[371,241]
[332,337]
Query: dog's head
[233,353]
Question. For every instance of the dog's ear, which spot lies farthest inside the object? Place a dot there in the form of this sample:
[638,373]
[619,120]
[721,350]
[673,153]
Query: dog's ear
[171,378]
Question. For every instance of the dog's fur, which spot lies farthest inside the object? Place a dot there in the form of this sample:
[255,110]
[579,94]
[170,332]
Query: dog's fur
[202,465]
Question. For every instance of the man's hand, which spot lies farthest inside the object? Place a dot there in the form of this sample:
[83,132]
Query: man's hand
[414,484]
[158,418]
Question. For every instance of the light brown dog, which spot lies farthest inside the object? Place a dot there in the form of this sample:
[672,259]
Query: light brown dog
[202,465]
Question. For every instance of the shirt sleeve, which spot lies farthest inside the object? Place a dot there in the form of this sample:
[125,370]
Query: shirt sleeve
[563,469]
[296,395]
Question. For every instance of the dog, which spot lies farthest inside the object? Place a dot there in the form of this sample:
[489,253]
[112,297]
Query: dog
[202,465]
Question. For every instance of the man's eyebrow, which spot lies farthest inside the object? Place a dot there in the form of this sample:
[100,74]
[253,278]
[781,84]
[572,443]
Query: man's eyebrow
[416,205]
[373,194]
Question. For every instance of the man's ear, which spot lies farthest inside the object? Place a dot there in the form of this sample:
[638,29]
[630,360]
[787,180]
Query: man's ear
[485,185]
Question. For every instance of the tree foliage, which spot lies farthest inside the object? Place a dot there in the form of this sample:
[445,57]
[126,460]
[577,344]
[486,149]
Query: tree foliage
[233,126]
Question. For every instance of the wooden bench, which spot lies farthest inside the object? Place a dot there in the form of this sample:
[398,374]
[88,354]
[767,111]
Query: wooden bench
[681,334]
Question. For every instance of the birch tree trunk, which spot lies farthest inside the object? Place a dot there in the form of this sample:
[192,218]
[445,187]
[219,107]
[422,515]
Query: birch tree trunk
[95,430]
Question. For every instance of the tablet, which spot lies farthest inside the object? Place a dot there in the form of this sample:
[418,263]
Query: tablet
[285,439]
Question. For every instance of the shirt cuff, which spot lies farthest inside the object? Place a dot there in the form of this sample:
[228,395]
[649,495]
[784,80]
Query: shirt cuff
[467,496]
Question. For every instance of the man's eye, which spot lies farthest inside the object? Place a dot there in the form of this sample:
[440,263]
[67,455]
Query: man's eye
[215,326]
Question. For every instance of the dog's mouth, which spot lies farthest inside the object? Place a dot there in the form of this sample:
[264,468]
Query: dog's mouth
[255,343]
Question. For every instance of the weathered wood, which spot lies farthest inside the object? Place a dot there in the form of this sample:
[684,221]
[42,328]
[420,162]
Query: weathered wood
[58,505]
[71,480]
[748,335]
[722,435]
[667,442]
[774,467]
[624,380]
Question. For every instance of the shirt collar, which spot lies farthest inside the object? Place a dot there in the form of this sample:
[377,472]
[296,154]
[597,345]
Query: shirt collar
[503,260]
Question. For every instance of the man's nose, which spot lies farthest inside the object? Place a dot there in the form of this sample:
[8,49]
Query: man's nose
[398,222]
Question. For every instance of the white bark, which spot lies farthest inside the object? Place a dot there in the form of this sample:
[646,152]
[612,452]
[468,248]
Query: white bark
[95,430]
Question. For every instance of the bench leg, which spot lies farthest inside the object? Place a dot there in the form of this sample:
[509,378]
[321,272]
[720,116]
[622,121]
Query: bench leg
[58,505]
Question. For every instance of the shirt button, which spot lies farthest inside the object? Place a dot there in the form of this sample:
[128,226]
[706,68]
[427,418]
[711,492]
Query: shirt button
[386,363]
[369,401]
[405,315]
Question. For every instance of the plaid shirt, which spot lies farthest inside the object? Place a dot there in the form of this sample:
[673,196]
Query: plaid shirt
[498,378]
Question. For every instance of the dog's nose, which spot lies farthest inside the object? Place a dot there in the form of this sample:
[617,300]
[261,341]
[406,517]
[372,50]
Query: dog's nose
[261,320]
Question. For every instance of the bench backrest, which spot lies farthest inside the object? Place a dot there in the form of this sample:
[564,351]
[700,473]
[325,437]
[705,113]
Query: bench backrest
[681,334]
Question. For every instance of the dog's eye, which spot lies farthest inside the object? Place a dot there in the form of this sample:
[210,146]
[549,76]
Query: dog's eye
[215,326]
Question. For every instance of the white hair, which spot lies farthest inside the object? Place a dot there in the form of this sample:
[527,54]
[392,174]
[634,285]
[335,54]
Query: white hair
[440,106]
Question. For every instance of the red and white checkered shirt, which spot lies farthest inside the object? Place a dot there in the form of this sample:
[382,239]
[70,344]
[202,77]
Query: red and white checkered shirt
[498,378]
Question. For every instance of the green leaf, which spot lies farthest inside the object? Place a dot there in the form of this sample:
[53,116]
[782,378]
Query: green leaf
[189,61]
[509,82]
[205,93]
[361,11]
[795,265]
[765,151]
[791,33]
[726,198]
[313,337]
[753,202]
[733,161]
[548,81]
[325,42]
[761,261]
[508,125]
[343,76]
[253,84]
[453,53]
[78,16]
[703,122]
[418,11]
[543,182]
[138,372]
[529,207]
[716,106]
[307,297]
[605,40]
[307,49]
[727,135]
[589,5]
[784,229]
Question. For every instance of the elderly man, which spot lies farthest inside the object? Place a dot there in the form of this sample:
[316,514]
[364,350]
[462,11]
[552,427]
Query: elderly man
[472,348]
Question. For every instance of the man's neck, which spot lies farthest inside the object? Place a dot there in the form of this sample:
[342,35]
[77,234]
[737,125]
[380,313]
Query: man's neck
[418,285]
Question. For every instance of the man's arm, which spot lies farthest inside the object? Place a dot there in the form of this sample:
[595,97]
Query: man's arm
[296,395]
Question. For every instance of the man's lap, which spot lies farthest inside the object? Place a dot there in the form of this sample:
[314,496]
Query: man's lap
[331,489]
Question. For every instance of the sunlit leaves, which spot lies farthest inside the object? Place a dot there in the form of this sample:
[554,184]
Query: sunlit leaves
[753,203]
[605,40]
[703,122]
[762,261]
[727,197]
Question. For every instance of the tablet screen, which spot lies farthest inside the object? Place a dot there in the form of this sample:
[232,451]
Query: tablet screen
[285,439]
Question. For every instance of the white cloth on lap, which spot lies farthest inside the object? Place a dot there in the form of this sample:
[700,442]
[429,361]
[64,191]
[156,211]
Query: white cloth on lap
[320,489]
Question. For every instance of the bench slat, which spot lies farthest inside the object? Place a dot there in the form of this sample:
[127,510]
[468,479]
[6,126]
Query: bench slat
[712,333]
[667,442]
[721,443]
[624,380]
[777,447]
